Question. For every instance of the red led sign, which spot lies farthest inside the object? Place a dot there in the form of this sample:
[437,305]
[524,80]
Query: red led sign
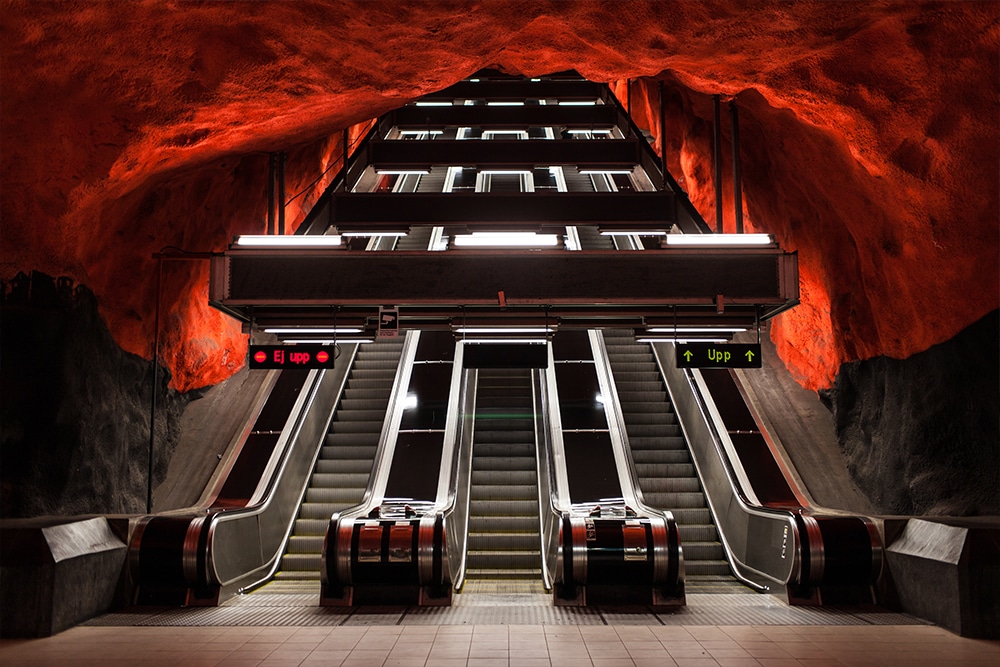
[290,356]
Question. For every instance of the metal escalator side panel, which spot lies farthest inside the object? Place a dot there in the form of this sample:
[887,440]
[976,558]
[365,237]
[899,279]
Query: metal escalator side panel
[731,509]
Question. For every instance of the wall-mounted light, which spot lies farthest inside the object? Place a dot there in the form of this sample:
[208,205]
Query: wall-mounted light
[290,241]
[715,240]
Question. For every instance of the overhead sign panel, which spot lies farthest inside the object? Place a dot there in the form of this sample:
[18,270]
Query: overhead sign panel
[291,356]
[718,355]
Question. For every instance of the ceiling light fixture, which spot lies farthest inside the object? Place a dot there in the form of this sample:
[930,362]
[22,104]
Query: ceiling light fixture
[504,239]
[714,240]
[291,241]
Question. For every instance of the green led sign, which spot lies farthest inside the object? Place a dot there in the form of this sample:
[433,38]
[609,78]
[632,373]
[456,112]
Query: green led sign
[718,355]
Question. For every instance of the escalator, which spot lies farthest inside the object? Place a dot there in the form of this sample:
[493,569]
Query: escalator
[503,541]
[345,460]
[667,476]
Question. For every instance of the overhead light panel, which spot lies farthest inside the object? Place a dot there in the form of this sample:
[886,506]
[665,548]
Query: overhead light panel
[291,241]
[578,103]
[633,232]
[314,330]
[505,104]
[609,172]
[716,240]
[668,339]
[433,104]
[504,330]
[696,330]
[402,172]
[359,340]
[505,240]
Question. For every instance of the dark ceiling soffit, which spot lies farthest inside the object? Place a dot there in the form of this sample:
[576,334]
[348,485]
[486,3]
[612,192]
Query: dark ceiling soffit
[610,279]
[414,117]
[499,153]
[613,209]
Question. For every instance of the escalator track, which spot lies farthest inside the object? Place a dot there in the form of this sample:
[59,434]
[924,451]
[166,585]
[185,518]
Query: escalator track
[504,543]
[667,476]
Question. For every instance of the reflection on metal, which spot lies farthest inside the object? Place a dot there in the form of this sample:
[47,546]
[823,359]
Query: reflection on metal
[401,542]
[370,543]
[634,540]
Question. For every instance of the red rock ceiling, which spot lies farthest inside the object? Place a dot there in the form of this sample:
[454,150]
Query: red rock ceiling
[870,140]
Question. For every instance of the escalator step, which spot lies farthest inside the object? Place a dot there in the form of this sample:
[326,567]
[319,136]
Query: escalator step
[298,544]
[675,501]
[657,485]
[697,533]
[335,466]
[342,495]
[312,526]
[501,463]
[506,559]
[503,492]
[654,444]
[494,541]
[662,470]
[525,478]
[479,508]
[339,480]
[522,523]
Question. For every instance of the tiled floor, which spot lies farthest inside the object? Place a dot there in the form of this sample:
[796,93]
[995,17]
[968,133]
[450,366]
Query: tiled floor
[503,645]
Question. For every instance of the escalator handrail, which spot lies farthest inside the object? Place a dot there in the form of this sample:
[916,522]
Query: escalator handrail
[456,505]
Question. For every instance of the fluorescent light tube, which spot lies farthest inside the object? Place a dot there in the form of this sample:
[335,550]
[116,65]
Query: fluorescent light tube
[503,330]
[290,241]
[719,239]
[314,330]
[666,339]
[578,103]
[505,239]
[633,232]
[402,172]
[505,104]
[707,330]
[434,104]
[373,233]
[609,172]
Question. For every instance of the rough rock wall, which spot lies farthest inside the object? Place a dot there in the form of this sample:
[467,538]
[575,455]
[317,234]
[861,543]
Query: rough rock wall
[75,408]
[870,140]
[922,435]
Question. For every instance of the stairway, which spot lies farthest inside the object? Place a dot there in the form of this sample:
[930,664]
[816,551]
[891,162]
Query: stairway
[344,465]
[504,542]
[663,464]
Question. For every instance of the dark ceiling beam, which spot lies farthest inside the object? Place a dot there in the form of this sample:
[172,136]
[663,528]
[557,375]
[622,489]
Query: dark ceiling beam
[598,283]
[519,89]
[501,153]
[374,211]
[414,117]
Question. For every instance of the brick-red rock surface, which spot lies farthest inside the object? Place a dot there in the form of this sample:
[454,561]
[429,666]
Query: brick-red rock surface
[870,141]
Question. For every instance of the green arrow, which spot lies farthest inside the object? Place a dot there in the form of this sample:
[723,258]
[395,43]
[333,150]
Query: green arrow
[688,355]
[749,355]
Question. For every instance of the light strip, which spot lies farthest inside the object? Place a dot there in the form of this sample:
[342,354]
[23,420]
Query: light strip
[719,239]
[695,329]
[578,103]
[604,131]
[664,339]
[633,232]
[516,239]
[500,330]
[331,341]
[505,172]
[505,104]
[514,341]
[402,172]
[314,330]
[434,104]
[623,172]
[290,241]
[374,233]
[410,133]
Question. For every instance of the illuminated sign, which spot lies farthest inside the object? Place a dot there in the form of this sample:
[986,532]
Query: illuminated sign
[291,356]
[718,355]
